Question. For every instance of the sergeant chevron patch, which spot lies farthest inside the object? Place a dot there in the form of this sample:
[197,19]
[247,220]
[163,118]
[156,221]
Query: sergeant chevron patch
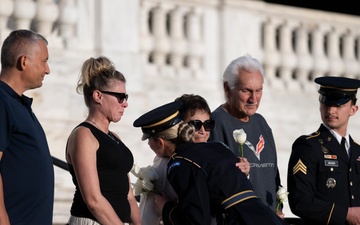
[299,166]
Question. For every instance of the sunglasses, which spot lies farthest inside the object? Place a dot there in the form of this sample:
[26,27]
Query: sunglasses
[208,124]
[120,96]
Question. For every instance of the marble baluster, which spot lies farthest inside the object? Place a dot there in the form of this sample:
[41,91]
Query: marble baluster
[146,40]
[350,63]
[6,9]
[320,67]
[304,59]
[24,12]
[67,19]
[195,45]
[161,43]
[288,57]
[177,38]
[46,14]
[336,65]
[271,53]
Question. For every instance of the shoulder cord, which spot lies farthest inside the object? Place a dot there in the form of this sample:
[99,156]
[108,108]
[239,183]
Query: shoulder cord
[190,161]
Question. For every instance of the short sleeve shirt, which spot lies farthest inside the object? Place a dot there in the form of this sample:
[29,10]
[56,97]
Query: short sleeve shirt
[26,165]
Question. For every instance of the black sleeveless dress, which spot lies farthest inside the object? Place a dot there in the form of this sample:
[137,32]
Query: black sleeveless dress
[114,161]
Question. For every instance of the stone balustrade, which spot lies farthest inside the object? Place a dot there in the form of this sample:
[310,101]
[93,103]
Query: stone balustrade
[172,36]
[56,19]
[295,46]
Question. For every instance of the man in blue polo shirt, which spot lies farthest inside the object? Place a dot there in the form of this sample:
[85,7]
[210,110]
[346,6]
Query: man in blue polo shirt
[26,170]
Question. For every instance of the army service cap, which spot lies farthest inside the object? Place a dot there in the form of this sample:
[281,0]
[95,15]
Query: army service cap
[336,91]
[159,119]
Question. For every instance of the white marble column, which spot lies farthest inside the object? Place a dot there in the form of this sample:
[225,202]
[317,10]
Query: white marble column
[195,45]
[336,65]
[357,50]
[146,41]
[161,43]
[6,9]
[320,62]
[67,18]
[288,57]
[350,63]
[304,59]
[46,14]
[177,38]
[24,12]
[271,54]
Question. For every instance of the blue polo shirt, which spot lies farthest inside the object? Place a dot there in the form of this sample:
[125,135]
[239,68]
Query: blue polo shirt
[26,165]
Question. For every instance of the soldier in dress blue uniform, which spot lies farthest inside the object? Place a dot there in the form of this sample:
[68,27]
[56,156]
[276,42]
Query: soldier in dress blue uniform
[324,167]
[203,175]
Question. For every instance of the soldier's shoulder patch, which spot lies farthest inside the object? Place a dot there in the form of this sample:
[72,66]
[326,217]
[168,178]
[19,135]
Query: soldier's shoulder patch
[172,166]
[315,134]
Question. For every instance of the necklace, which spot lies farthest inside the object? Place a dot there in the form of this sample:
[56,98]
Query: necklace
[109,134]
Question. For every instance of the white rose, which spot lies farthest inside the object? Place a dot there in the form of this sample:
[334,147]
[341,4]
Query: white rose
[135,170]
[148,185]
[282,194]
[240,136]
[147,177]
[151,174]
[138,187]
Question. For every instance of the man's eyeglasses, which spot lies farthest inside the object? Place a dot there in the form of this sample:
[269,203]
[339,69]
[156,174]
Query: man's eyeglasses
[208,124]
[120,96]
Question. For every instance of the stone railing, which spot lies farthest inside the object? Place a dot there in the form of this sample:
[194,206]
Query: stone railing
[172,37]
[193,38]
[300,45]
[295,45]
[48,17]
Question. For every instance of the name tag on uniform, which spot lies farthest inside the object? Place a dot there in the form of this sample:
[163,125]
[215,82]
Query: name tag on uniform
[332,163]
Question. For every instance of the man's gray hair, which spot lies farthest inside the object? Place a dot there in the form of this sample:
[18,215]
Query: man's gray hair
[18,43]
[243,63]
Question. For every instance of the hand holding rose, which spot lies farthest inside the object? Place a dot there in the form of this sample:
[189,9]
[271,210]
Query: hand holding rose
[244,165]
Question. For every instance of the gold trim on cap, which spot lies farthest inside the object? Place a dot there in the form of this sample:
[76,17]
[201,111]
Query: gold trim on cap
[343,89]
[163,121]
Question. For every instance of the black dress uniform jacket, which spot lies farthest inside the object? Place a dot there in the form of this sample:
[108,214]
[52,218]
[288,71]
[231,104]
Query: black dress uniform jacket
[322,181]
[204,175]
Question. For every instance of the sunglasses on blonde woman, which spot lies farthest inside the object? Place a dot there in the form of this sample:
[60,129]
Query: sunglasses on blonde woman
[120,96]
[208,124]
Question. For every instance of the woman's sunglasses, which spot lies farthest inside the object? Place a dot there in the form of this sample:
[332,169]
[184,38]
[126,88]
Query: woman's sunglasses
[208,124]
[120,96]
